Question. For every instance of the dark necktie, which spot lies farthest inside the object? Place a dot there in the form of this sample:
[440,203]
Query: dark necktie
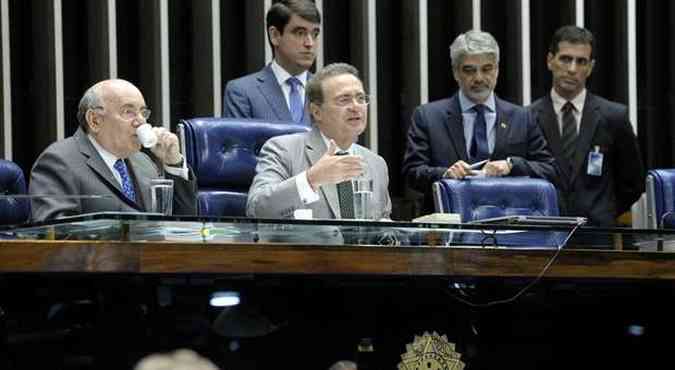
[479,145]
[295,100]
[127,185]
[568,138]
[346,196]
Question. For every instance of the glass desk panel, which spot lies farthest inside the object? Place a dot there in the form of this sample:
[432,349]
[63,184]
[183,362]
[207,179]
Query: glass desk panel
[112,226]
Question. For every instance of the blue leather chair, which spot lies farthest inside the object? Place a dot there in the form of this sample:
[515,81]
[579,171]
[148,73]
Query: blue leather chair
[223,154]
[12,211]
[660,186]
[488,197]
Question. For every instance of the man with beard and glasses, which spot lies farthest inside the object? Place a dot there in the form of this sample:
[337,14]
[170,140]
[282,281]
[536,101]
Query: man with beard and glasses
[449,135]
[591,137]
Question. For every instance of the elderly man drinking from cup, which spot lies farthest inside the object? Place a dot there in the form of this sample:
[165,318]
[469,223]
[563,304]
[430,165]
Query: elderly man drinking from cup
[102,168]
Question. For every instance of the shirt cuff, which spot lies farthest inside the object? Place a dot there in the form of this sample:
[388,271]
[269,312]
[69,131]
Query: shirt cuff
[307,194]
[181,172]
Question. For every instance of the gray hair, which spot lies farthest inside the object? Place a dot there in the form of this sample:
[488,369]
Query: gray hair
[314,90]
[343,365]
[90,100]
[182,359]
[473,43]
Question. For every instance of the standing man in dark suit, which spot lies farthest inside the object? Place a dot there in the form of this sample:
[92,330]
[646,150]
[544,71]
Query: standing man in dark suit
[103,158]
[277,91]
[448,135]
[591,137]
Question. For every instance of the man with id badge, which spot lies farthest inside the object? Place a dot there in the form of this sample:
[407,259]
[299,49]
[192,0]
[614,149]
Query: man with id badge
[591,137]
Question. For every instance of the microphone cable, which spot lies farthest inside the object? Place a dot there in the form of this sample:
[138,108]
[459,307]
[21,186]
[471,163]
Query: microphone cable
[526,287]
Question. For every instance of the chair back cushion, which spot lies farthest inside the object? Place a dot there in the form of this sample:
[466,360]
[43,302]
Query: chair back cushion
[487,197]
[223,155]
[12,181]
[660,197]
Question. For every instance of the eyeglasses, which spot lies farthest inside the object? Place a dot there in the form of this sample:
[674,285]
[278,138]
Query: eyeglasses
[345,100]
[129,113]
[302,33]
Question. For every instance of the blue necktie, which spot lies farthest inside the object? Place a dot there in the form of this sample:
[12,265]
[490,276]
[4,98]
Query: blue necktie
[127,185]
[479,145]
[297,108]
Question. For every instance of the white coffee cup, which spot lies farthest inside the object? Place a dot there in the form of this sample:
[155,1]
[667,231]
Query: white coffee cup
[146,135]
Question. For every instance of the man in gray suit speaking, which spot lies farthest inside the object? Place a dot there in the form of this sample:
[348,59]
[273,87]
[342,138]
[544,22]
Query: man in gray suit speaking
[304,171]
[104,158]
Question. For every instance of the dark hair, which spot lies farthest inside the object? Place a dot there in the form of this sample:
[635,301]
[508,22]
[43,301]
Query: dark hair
[573,35]
[314,89]
[280,14]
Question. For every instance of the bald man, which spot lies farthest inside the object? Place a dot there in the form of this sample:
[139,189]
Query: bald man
[104,158]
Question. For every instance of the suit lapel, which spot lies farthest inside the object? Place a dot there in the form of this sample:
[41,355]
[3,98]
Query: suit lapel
[314,149]
[549,124]
[589,122]
[306,120]
[502,128]
[96,163]
[270,89]
[456,129]
[142,176]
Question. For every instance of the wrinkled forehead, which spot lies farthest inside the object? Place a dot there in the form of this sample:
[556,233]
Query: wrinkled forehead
[122,93]
[341,85]
[478,60]
[575,49]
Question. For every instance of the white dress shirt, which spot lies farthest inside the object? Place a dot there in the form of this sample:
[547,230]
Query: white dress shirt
[559,102]
[282,76]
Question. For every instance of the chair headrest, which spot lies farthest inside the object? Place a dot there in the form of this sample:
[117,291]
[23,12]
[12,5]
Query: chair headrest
[223,151]
[663,191]
[487,197]
[12,181]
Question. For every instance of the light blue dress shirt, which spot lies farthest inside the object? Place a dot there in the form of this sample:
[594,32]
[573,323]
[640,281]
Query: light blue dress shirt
[469,116]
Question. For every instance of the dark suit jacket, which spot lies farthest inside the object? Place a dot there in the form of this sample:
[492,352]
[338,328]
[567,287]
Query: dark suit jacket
[436,141]
[73,167]
[258,95]
[604,124]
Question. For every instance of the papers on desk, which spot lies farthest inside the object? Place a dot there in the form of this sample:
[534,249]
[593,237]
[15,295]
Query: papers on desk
[440,218]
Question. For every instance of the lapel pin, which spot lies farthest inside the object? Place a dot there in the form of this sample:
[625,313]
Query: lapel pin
[504,125]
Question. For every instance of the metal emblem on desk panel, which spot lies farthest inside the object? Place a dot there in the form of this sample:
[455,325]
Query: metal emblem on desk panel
[431,351]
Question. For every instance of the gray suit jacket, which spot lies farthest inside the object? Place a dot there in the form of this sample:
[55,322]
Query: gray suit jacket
[258,95]
[273,193]
[73,167]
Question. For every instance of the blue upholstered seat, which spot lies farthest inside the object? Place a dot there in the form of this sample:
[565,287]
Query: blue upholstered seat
[487,197]
[661,198]
[223,154]
[12,181]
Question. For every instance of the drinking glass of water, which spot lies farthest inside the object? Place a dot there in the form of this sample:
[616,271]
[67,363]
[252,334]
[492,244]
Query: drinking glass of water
[161,193]
[363,198]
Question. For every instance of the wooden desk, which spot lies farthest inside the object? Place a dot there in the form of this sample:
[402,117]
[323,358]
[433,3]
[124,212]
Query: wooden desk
[185,258]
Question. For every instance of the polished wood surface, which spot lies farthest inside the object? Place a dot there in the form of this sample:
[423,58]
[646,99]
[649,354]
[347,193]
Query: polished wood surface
[171,257]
